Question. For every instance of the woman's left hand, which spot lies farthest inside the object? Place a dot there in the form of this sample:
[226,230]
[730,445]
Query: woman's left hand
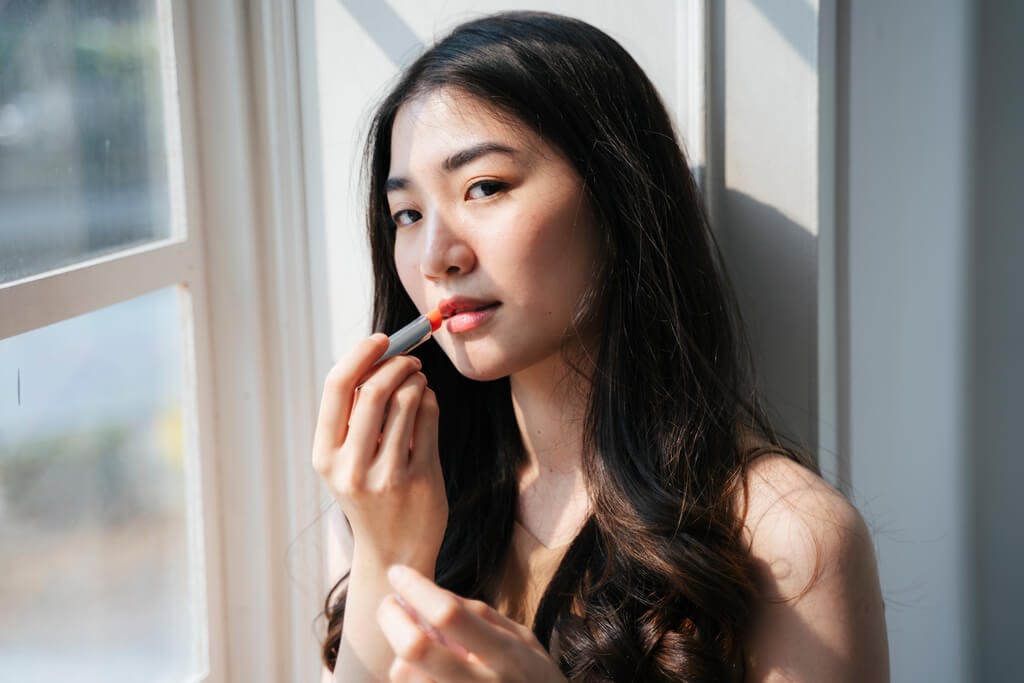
[456,639]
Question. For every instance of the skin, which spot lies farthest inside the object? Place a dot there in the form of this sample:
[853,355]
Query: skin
[506,226]
[512,226]
[386,477]
[822,617]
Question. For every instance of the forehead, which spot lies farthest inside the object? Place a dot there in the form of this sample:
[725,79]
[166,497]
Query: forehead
[429,128]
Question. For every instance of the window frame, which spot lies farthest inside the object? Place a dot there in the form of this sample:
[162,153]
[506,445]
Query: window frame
[239,248]
[253,206]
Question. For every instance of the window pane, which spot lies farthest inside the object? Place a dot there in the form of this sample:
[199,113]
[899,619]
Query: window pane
[83,166]
[101,581]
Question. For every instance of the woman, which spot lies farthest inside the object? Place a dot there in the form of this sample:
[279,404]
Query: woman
[576,480]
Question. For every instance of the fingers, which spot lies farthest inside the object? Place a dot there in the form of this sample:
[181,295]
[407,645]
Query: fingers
[447,612]
[416,650]
[336,402]
[404,672]
[488,613]
[401,416]
[367,415]
[424,435]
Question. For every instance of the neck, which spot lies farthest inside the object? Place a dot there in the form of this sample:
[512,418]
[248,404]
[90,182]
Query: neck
[550,405]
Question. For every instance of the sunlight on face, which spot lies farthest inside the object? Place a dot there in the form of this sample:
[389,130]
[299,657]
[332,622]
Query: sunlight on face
[488,212]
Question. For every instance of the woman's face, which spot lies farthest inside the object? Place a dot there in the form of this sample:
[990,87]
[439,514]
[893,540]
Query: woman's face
[493,227]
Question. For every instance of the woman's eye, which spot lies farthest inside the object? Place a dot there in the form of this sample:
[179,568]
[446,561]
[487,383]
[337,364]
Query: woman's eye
[485,188]
[405,217]
[480,190]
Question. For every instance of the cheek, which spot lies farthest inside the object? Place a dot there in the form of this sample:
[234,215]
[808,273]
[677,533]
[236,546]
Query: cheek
[407,265]
[561,249]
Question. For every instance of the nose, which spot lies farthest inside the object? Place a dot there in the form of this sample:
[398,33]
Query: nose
[445,252]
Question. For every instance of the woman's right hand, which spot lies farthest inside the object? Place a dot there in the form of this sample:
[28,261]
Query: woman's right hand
[376,447]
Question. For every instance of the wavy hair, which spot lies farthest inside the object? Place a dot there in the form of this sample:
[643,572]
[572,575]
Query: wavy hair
[657,586]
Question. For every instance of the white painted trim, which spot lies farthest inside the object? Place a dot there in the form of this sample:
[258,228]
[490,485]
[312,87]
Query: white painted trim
[691,42]
[713,176]
[293,386]
[171,85]
[241,444]
[832,455]
[198,392]
[56,295]
[254,208]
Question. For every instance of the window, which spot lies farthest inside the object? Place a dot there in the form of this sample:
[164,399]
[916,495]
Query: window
[101,528]
[157,387]
[99,564]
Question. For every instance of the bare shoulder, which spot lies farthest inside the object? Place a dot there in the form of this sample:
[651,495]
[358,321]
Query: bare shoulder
[820,615]
[793,513]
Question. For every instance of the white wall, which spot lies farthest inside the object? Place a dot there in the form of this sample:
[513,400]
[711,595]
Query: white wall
[904,163]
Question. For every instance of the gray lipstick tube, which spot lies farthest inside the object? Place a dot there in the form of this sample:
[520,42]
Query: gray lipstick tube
[412,335]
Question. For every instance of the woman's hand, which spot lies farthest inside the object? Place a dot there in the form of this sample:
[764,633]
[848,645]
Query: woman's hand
[443,637]
[376,447]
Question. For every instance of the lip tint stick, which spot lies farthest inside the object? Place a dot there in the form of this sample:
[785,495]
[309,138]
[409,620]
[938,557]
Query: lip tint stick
[412,335]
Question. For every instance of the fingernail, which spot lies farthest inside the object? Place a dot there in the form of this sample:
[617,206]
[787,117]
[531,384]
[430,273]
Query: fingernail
[395,573]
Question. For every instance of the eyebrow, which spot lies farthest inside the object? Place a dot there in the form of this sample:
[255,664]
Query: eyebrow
[460,158]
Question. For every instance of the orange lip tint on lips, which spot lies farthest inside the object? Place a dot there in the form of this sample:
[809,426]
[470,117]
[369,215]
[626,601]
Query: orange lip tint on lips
[464,313]
[412,335]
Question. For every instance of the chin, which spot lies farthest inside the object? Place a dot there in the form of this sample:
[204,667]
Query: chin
[483,376]
[476,363]
[479,372]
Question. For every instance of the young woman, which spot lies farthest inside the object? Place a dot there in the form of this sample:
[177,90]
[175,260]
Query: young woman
[576,480]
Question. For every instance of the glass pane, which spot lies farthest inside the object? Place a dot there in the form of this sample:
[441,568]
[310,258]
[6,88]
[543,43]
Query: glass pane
[83,166]
[100,579]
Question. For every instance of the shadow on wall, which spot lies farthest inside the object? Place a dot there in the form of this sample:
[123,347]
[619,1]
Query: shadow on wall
[772,261]
[796,22]
[387,28]
[772,258]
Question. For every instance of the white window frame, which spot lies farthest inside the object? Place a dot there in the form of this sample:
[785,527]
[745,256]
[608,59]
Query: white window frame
[251,394]
[249,132]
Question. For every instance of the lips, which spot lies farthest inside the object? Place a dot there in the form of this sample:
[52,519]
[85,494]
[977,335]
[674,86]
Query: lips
[462,304]
[463,314]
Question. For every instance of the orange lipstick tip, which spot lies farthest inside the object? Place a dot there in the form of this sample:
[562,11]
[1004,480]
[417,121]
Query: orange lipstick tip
[435,319]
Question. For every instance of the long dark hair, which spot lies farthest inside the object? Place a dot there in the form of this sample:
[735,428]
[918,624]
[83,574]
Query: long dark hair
[657,586]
